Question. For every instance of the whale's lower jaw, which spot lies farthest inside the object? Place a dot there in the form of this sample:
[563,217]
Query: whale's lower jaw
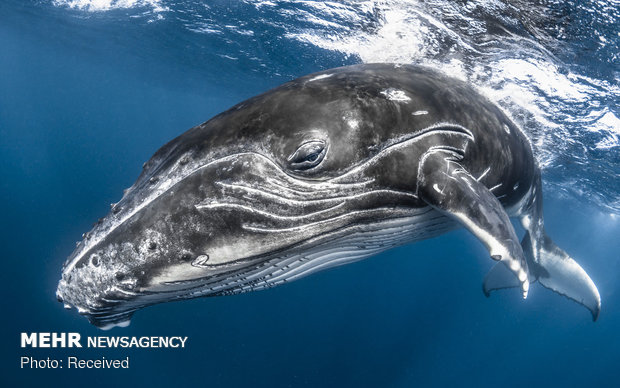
[347,245]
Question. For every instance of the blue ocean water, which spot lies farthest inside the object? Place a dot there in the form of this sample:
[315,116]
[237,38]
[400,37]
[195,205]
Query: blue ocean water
[90,89]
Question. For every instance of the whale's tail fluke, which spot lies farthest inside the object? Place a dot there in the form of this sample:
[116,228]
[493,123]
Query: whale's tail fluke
[554,269]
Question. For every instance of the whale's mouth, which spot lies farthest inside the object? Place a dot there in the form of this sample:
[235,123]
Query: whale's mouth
[104,305]
[346,245]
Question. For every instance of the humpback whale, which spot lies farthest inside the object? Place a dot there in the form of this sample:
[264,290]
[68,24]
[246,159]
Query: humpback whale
[324,170]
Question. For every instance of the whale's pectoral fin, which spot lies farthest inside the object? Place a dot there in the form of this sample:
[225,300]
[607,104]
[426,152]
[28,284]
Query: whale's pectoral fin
[546,262]
[498,278]
[557,271]
[445,185]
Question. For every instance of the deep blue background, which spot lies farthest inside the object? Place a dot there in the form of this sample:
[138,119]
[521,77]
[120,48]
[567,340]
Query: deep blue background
[83,106]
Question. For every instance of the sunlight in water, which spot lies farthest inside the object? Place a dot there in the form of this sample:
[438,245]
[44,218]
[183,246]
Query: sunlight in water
[106,5]
[518,55]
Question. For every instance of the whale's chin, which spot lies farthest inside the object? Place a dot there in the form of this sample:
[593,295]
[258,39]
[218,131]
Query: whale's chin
[111,325]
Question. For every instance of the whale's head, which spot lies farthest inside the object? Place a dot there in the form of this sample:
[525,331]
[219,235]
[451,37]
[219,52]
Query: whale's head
[301,178]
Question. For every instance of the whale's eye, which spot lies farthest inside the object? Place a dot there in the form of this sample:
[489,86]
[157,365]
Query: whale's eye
[308,155]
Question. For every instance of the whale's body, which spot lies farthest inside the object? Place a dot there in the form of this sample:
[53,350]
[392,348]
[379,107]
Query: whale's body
[324,170]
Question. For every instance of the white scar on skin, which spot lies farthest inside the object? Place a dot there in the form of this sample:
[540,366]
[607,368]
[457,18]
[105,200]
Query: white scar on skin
[396,95]
[318,77]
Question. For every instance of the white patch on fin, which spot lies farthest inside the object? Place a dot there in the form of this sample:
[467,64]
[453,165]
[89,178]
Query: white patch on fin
[484,174]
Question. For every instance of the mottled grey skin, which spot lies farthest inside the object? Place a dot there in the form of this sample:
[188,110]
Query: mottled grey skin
[302,174]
